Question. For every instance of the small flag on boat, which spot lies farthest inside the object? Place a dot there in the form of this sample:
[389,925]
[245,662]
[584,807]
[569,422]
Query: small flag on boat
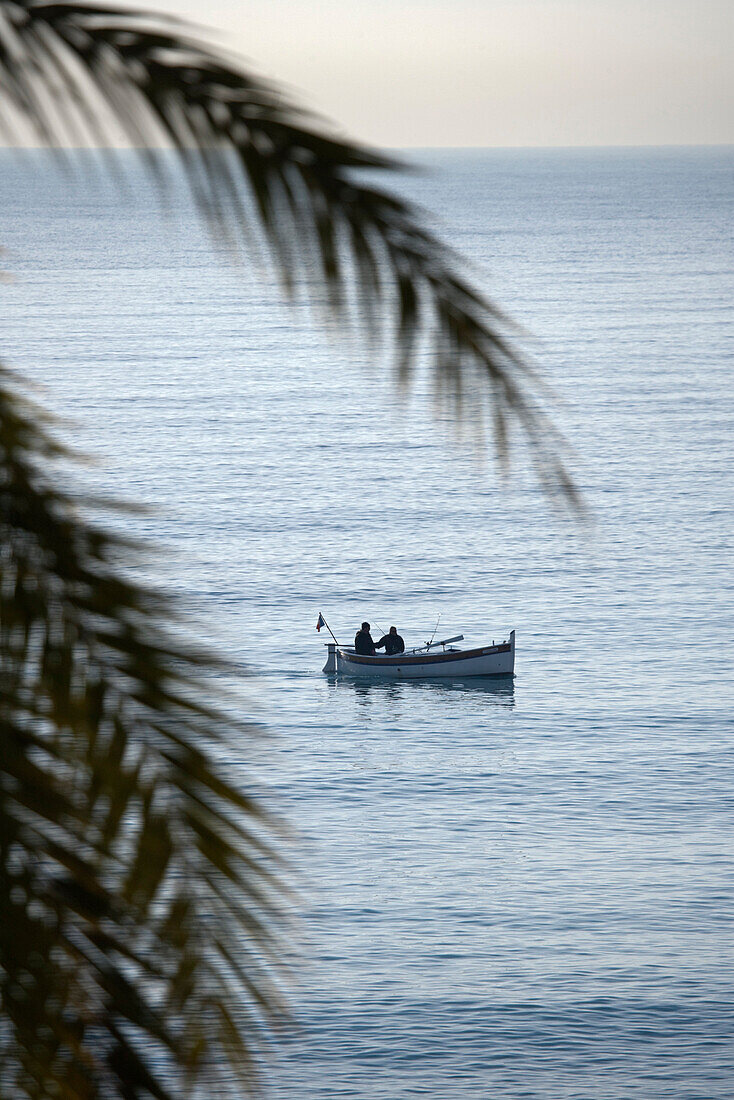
[320,623]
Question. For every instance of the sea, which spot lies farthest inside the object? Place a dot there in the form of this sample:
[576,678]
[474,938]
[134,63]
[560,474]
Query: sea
[503,890]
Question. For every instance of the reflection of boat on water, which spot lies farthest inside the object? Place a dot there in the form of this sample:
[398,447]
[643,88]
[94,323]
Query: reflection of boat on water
[412,693]
[422,664]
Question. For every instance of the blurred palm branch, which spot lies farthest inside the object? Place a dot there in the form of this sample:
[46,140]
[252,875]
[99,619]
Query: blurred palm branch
[141,902]
[75,74]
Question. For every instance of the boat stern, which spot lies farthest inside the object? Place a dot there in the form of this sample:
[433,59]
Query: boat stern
[330,665]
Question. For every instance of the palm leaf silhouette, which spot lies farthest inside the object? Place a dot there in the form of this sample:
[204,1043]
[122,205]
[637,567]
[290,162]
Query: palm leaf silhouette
[78,73]
[140,908]
[141,902]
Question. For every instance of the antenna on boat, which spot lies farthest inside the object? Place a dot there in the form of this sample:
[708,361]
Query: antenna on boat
[438,620]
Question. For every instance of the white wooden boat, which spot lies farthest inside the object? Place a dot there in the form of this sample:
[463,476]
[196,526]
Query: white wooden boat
[421,663]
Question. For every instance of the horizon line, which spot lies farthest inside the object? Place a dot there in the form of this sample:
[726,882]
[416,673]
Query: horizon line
[415,148]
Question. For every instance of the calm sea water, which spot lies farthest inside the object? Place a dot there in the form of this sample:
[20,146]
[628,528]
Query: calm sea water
[516,892]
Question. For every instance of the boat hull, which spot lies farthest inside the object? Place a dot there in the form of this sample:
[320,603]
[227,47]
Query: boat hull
[492,660]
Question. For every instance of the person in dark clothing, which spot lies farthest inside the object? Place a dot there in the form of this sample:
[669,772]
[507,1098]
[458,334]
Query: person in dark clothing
[392,642]
[363,643]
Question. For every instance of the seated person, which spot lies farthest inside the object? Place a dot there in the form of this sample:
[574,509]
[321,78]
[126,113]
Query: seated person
[363,643]
[392,642]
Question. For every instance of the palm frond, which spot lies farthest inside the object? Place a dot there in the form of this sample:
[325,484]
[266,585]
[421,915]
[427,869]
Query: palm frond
[78,73]
[128,861]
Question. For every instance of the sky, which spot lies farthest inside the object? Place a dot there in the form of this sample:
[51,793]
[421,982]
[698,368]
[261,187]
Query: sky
[423,73]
